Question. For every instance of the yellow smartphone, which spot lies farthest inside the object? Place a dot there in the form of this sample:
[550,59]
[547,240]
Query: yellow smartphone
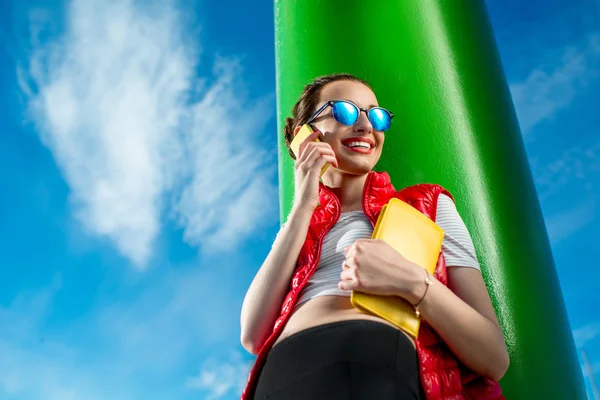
[302,134]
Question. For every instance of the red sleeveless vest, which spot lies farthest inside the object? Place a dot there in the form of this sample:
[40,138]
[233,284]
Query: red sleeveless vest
[443,376]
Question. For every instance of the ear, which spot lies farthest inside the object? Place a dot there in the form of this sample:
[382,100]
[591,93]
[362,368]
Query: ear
[296,130]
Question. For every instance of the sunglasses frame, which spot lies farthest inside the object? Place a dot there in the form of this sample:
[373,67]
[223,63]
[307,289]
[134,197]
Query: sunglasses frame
[331,103]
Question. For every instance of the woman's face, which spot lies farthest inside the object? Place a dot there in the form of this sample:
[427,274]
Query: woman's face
[351,159]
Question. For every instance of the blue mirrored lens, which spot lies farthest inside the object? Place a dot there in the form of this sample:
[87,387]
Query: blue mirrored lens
[380,119]
[345,113]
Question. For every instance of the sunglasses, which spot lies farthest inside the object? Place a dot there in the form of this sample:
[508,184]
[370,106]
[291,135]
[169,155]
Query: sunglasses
[345,112]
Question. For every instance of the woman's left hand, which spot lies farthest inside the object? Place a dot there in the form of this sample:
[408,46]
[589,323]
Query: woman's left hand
[373,266]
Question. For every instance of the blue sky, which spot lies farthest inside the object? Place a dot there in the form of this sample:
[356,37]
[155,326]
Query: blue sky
[133,218]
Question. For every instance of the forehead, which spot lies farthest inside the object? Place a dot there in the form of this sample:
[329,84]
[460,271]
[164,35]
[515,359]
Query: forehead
[356,92]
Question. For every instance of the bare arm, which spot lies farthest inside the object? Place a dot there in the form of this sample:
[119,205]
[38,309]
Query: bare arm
[463,315]
[265,296]
[267,292]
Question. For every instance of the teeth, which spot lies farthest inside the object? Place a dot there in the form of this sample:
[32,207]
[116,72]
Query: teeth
[365,145]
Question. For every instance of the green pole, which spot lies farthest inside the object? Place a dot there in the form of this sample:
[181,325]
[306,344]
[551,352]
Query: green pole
[436,66]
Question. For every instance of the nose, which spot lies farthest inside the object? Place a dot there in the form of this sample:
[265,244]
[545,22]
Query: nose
[363,124]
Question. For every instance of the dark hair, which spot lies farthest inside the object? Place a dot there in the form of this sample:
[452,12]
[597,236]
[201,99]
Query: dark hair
[307,104]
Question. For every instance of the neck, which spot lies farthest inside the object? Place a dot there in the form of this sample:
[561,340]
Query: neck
[348,188]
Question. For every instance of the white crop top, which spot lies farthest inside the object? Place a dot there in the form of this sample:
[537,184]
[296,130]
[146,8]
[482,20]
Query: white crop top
[457,248]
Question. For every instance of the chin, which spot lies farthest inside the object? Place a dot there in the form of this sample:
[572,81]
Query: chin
[359,164]
[356,169]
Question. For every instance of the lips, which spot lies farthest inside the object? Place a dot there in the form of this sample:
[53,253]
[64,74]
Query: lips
[358,139]
[348,141]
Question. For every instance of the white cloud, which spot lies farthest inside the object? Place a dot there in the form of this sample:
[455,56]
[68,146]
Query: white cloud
[218,379]
[230,192]
[576,164]
[117,101]
[590,370]
[140,138]
[595,368]
[586,334]
[551,87]
[574,169]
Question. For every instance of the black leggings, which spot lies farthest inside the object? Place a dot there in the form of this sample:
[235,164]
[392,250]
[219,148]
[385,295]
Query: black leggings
[358,360]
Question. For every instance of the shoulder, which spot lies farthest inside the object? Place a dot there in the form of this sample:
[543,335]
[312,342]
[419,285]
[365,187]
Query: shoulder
[447,212]
[457,246]
[430,190]
[424,197]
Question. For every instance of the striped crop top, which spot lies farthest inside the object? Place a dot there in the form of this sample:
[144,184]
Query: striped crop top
[457,248]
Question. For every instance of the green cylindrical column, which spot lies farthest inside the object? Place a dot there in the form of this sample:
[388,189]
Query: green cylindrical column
[436,66]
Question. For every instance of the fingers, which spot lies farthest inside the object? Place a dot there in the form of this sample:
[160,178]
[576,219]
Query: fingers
[350,263]
[360,246]
[352,250]
[316,155]
[325,160]
[348,275]
[310,138]
[315,147]
[347,285]
[317,158]
[349,280]
[320,153]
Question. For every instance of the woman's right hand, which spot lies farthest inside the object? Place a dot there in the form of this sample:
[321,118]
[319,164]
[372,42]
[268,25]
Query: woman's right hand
[312,158]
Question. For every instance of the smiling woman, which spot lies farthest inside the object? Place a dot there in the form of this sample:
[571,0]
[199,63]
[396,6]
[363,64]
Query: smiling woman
[311,342]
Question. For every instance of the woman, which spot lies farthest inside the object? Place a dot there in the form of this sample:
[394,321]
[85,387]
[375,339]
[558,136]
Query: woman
[297,316]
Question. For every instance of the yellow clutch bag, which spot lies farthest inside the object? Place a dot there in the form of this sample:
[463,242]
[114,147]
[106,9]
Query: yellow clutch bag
[419,240]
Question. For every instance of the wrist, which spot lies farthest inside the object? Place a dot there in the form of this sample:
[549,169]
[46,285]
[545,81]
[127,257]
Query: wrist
[417,286]
[301,212]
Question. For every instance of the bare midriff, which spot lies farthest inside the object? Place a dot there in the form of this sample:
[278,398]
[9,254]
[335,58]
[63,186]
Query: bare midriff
[324,310]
